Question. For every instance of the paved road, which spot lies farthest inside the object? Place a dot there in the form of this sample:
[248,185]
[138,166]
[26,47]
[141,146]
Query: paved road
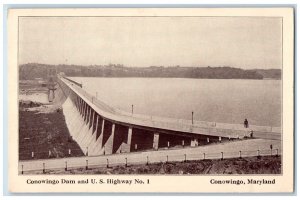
[230,149]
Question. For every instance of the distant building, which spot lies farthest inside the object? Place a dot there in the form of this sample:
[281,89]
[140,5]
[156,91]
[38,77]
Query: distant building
[39,80]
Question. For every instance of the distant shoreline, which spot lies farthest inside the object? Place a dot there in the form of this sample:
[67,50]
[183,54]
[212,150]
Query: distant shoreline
[35,70]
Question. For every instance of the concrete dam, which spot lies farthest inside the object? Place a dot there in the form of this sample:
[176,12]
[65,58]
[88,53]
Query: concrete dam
[101,130]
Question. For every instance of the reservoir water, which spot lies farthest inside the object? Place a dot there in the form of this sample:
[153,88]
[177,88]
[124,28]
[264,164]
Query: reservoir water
[214,100]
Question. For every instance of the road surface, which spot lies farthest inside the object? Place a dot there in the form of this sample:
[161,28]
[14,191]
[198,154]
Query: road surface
[230,150]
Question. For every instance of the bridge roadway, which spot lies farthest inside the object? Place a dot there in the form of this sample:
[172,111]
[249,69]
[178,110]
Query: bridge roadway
[230,150]
[183,127]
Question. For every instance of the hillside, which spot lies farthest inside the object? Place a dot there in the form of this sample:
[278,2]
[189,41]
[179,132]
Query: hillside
[34,70]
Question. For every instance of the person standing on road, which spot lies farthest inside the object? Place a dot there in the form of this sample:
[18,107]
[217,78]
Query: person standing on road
[246,124]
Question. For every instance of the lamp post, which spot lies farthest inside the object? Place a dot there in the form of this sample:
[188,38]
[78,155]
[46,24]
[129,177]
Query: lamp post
[132,109]
[192,117]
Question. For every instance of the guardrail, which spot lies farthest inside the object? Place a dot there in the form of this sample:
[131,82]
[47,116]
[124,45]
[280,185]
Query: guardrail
[136,158]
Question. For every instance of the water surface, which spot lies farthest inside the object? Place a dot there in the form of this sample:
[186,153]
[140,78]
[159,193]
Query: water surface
[215,100]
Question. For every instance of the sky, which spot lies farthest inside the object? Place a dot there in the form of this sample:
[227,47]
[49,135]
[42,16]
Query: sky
[243,42]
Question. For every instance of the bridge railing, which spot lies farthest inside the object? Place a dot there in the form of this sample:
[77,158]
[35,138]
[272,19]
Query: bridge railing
[146,158]
[202,124]
[96,101]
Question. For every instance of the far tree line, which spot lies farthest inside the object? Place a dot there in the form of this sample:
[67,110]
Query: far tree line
[35,70]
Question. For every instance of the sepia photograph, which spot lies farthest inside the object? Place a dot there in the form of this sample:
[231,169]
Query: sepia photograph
[159,94]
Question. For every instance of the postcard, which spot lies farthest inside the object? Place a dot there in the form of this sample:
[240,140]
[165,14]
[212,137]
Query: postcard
[151,100]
